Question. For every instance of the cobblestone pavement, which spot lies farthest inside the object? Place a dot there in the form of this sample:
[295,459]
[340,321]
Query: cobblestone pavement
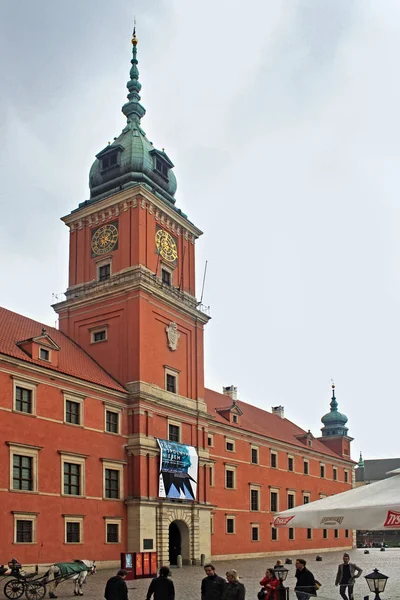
[187,580]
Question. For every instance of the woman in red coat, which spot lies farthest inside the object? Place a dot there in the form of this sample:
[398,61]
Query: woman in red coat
[269,583]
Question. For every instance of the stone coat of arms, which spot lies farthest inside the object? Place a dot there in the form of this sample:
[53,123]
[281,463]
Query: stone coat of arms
[173,335]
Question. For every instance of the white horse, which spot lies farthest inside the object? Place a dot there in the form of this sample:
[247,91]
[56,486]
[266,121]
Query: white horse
[77,571]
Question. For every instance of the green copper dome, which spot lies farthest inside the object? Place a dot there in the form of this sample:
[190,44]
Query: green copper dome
[334,421]
[131,158]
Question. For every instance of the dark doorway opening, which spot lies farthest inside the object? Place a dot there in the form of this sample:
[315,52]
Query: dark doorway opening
[175,543]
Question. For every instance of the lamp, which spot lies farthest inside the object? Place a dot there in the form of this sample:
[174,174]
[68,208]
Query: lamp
[376,582]
[282,592]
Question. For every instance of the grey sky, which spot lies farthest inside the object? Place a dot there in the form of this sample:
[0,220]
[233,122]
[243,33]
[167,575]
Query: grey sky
[282,119]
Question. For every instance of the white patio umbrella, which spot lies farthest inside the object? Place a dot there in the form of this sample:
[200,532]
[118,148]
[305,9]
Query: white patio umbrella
[374,507]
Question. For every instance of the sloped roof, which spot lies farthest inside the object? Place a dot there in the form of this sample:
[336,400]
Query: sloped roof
[376,469]
[73,360]
[261,422]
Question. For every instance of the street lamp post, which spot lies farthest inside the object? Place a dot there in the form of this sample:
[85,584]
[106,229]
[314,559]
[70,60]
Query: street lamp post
[376,582]
[282,592]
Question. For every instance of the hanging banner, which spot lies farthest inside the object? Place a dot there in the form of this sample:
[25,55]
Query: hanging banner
[178,471]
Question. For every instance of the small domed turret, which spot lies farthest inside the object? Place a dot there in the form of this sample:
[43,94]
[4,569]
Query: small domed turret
[131,157]
[334,421]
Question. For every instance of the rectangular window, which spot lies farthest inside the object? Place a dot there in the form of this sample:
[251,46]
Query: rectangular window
[274,502]
[112,533]
[210,440]
[230,446]
[346,477]
[274,534]
[291,533]
[22,472]
[254,456]
[230,479]
[254,500]
[230,525]
[171,383]
[72,412]
[235,419]
[290,500]
[255,533]
[211,480]
[325,534]
[305,467]
[23,400]
[72,479]
[334,474]
[336,533]
[104,272]
[309,534]
[111,485]
[109,160]
[165,277]
[290,463]
[44,354]
[73,530]
[346,533]
[173,433]
[24,531]
[306,498]
[99,336]
[322,471]
[112,421]
[274,460]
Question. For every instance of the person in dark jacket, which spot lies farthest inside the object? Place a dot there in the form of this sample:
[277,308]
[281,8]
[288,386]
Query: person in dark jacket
[305,586]
[116,588]
[212,586]
[161,586]
[234,590]
[346,576]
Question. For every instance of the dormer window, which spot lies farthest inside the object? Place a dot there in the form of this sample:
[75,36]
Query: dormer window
[162,167]
[162,163]
[44,354]
[109,161]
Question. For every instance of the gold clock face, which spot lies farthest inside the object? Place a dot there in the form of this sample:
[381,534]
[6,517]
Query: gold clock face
[104,239]
[166,245]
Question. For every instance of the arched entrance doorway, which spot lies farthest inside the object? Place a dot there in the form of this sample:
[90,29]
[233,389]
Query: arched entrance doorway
[178,542]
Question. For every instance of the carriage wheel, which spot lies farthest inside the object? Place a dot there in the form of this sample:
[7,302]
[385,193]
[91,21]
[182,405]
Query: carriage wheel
[14,589]
[35,590]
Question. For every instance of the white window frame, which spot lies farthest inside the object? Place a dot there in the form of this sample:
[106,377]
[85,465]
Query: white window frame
[346,474]
[174,373]
[31,452]
[334,473]
[291,493]
[306,462]
[230,441]
[77,459]
[273,490]
[233,517]
[276,529]
[103,263]
[307,495]
[255,488]
[257,449]
[112,409]
[26,385]
[293,530]
[47,349]
[115,466]
[74,519]
[274,453]
[98,330]
[211,478]
[210,436]
[168,269]
[230,468]
[325,532]
[336,534]
[290,456]
[257,527]
[322,466]
[112,521]
[25,516]
[175,424]
[78,400]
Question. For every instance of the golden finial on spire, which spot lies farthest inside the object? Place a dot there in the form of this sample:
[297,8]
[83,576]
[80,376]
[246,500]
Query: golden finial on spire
[134,38]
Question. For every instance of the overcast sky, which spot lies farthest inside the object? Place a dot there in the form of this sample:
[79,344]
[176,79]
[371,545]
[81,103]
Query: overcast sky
[282,120]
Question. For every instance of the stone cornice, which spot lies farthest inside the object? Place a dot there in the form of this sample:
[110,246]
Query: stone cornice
[137,278]
[140,390]
[96,213]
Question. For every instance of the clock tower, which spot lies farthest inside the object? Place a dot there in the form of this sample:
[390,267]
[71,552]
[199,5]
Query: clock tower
[131,305]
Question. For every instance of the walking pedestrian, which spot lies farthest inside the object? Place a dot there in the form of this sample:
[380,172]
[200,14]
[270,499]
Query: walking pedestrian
[212,586]
[305,586]
[269,584]
[346,576]
[116,588]
[161,586]
[234,590]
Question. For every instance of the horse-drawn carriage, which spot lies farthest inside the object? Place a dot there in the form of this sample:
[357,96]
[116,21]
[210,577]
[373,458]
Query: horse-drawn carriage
[34,586]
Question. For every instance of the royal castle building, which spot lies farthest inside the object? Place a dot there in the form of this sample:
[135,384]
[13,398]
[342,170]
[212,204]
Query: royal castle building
[109,440]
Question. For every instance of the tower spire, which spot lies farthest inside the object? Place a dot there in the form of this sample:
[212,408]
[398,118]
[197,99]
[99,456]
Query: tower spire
[133,110]
[333,404]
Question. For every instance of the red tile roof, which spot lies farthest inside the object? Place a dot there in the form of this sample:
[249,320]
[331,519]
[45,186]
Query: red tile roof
[260,421]
[73,360]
